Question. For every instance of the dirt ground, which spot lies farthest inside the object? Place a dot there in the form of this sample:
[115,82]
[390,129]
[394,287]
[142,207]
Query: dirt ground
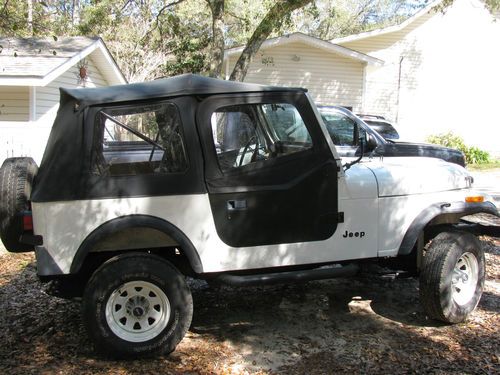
[368,324]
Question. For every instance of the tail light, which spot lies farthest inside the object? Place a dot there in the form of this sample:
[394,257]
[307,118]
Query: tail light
[27,221]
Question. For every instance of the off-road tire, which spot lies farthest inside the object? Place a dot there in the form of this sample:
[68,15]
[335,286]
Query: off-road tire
[113,277]
[438,278]
[16,181]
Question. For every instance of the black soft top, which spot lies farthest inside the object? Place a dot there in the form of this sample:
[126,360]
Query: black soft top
[64,172]
[186,84]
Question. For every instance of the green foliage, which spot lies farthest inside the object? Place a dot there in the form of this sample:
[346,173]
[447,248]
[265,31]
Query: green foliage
[333,19]
[14,19]
[476,156]
[154,38]
[447,140]
[473,155]
[97,19]
[492,5]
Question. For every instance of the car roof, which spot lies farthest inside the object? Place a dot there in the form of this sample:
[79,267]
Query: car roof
[377,121]
[336,108]
[370,117]
[186,84]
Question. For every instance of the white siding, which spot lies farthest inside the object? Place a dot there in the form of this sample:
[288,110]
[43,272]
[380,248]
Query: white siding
[330,78]
[399,50]
[449,75]
[48,96]
[14,103]
[25,138]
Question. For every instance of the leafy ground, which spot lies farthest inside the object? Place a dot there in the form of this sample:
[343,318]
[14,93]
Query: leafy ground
[369,324]
[485,167]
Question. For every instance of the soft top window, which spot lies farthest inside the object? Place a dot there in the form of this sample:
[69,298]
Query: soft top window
[247,133]
[142,139]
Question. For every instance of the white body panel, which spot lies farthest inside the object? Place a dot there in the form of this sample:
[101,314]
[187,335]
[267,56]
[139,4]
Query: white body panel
[398,176]
[374,226]
[70,225]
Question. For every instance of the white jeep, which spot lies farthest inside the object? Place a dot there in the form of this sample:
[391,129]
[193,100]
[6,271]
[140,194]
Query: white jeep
[144,184]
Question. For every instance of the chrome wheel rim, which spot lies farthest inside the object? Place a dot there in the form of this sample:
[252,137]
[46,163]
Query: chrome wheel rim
[137,311]
[464,278]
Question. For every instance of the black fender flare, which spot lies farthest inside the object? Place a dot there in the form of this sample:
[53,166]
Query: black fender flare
[441,209]
[131,221]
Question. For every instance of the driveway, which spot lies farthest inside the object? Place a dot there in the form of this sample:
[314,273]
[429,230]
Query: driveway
[488,182]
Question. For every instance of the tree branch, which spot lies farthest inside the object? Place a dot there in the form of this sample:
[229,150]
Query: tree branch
[157,18]
[272,20]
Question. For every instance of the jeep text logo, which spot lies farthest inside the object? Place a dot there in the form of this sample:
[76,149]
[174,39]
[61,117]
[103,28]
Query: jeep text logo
[353,234]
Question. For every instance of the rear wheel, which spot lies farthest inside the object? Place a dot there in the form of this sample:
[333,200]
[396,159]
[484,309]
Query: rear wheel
[452,277]
[16,180]
[137,304]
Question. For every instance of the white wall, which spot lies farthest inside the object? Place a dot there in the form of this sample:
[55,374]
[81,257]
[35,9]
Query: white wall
[450,76]
[28,138]
[330,78]
[22,138]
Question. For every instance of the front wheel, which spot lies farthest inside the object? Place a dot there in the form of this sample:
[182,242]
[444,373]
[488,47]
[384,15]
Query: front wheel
[137,304]
[452,277]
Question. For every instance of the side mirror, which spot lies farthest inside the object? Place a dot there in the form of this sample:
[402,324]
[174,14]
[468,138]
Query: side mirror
[371,142]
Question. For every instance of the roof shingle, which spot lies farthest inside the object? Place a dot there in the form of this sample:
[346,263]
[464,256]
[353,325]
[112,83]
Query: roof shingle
[37,57]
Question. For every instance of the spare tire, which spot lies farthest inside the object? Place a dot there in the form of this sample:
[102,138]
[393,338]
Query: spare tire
[16,180]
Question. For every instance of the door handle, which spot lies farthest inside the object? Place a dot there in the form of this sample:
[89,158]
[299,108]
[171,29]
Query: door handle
[236,205]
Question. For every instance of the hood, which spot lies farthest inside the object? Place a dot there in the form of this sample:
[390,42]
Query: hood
[422,144]
[408,175]
[399,148]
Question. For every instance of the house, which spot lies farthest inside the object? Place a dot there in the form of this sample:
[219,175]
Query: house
[435,72]
[332,73]
[31,72]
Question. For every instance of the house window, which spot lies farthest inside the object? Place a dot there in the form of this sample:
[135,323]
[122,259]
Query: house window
[250,133]
[136,140]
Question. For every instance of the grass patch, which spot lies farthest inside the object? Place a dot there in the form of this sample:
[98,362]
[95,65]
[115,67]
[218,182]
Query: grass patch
[494,164]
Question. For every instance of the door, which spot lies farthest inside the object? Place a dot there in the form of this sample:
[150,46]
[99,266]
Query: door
[270,174]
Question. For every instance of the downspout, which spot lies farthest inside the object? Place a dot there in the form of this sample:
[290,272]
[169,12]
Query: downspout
[32,104]
[363,95]
[399,88]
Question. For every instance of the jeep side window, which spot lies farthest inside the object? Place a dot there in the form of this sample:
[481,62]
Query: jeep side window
[247,133]
[139,140]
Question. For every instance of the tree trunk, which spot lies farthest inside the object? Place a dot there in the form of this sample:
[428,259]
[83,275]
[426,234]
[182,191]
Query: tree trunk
[30,17]
[273,20]
[217,48]
[75,16]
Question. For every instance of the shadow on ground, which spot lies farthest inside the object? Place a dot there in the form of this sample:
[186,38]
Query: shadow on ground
[360,325]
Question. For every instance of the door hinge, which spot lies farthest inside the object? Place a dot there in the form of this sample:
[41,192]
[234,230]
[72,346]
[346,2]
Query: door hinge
[340,217]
